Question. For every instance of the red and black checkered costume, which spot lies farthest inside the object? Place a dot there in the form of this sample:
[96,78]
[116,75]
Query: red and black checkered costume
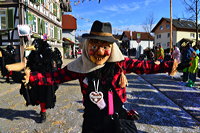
[96,120]
[128,66]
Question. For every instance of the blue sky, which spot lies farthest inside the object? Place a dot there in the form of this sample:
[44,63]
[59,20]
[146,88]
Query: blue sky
[122,14]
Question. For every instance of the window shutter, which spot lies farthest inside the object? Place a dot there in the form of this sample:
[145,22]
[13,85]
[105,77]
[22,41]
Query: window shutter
[57,10]
[54,9]
[61,34]
[30,18]
[55,32]
[60,16]
[39,26]
[10,18]
[43,26]
[34,22]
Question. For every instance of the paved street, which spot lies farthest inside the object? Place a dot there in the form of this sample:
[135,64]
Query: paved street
[164,103]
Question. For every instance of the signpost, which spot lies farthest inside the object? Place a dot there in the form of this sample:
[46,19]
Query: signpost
[24,30]
[138,38]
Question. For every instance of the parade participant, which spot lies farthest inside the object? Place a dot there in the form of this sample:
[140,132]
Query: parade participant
[186,54]
[57,58]
[8,57]
[101,72]
[176,54]
[40,60]
[160,53]
[193,69]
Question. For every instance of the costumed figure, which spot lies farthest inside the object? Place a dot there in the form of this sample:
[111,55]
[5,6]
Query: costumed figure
[160,53]
[176,54]
[193,69]
[101,72]
[40,60]
[8,57]
[186,54]
[57,58]
[149,54]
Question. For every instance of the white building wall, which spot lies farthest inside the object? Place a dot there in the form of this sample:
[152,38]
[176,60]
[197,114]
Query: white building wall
[69,34]
[164,41]
[144,44]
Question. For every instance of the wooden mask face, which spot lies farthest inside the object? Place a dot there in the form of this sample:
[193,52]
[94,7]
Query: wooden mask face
[99,51]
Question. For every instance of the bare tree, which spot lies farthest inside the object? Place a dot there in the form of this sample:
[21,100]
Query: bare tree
[148,25]
[192,7]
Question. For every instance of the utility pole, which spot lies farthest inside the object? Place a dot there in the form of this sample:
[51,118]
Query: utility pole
[170,25]
[197,22]
[21,21]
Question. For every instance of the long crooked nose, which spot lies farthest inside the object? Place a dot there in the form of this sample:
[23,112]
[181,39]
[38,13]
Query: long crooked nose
[100,51]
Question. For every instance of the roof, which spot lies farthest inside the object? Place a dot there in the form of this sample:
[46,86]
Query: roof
[69,22]
[143,35]
[178,23]
[116,36]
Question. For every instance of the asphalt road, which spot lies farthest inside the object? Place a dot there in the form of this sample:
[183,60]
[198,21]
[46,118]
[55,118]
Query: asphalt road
[166,107]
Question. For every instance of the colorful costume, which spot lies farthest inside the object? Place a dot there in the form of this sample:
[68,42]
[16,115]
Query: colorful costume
[193,69]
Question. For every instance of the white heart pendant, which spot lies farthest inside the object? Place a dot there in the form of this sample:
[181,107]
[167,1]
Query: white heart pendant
[95,97]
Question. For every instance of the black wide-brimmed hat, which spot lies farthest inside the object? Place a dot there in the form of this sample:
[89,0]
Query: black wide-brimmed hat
[101,31]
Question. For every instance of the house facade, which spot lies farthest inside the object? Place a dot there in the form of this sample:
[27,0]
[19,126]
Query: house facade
[69,26]
[44,17]
[131,41]
[181,30]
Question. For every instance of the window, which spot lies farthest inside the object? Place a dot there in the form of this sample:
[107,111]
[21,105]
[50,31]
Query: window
[34,24]
[51,7]
[51,31]
[167,26]
[168,35]
[32,21]
[3,19]
[6,19]
[46,3]
[161,27]
[181,24]
[190,25]
[192,35]
[159,36]
[58,34]
[46,27]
